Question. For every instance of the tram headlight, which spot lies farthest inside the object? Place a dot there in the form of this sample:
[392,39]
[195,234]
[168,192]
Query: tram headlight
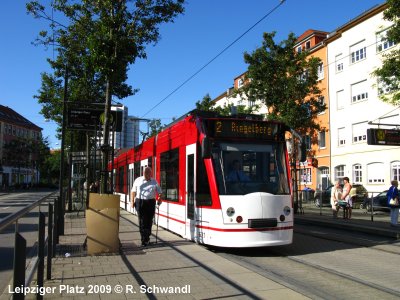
[230,211]
[239,219]
[286,210]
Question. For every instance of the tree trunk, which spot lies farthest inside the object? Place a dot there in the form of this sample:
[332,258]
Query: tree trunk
[106,135]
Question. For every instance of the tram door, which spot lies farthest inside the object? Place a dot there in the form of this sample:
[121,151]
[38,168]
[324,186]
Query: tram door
[130,184]
[190,191]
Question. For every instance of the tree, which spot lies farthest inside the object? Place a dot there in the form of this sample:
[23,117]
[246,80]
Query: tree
[155,127]
[50,169]
[207,104]
[286,82]
[104,38]
[389,73]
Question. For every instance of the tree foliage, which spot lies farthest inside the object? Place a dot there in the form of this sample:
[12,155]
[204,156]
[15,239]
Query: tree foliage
[389,73]
[101,40]
[285,81]
[207,104]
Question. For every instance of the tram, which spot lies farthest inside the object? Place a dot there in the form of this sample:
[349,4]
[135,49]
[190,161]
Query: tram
[193,160]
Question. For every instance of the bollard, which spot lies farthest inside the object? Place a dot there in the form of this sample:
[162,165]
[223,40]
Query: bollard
[50,241]
[19,265]
[40,270]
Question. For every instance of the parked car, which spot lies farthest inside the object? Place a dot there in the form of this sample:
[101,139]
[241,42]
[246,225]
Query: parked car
[379,202]
[324,196]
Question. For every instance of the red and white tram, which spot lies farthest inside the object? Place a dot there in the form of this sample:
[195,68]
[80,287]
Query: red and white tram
[192,160]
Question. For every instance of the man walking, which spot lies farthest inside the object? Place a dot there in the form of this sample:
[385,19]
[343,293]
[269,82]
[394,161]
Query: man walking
[144,191]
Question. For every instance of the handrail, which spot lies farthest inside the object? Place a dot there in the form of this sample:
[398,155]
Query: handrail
[24,274]
[7,221]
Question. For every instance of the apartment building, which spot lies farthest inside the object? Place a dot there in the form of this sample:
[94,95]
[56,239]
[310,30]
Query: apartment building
[314,172]
[18,160]
[354,51]
[348,57]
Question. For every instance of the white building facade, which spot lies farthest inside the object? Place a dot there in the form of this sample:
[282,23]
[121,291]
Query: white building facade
[354,52]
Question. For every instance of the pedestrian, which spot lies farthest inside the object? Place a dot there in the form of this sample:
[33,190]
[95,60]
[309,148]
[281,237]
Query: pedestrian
[393,193]
[346,197]
[336,195]
[144,192]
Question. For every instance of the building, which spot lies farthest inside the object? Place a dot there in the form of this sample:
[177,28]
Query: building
[18,152]
[349,55]
[128,137]
[354,51]
[312,41]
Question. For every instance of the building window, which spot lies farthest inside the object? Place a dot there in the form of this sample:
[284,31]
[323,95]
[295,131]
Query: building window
[376,173]
[251,103]
[358,52]
[321,101]
[321,139]
[359,132]
[308,45]
[395,170]
[382,43]
[339,172]
[357,173]
[341,137]
[240,82]
[320,71]
[339,63]
[307,141]
[340,99]
[359,91]
[305,175]
[299,49]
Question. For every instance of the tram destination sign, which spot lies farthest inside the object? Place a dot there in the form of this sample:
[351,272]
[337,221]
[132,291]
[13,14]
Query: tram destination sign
[388,137]
[92,119]
[228,128]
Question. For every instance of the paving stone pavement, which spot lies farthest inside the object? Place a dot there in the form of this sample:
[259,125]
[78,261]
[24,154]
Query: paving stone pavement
[172,268]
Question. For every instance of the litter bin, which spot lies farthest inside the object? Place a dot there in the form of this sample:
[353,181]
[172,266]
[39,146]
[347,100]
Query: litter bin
[308,194]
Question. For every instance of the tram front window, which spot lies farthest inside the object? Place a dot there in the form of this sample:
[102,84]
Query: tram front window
[243,169]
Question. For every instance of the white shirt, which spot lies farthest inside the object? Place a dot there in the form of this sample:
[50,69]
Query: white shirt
[145,189]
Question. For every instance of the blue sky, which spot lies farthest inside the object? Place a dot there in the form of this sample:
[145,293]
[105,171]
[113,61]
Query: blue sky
[206,28]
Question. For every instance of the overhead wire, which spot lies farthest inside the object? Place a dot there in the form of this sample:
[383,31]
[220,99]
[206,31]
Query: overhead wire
[214,58]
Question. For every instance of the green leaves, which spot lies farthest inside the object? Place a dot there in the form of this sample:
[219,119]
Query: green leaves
[285,81]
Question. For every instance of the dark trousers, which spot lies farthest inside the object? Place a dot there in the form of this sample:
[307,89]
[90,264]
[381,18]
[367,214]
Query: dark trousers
[145,210]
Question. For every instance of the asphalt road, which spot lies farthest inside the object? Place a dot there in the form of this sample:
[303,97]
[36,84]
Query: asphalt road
[27,227]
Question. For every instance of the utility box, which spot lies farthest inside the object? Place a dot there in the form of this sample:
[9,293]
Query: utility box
[102,223]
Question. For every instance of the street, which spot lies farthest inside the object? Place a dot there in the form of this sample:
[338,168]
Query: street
[27,226]
[326,263]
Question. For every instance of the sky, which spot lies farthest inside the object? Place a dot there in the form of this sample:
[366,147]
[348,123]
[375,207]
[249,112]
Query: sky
[186,46]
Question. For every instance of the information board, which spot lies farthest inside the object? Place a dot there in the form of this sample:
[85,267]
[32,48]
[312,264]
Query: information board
[388,137]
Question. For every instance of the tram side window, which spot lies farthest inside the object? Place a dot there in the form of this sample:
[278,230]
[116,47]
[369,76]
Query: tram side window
[120,180]
[169,173]
[136,171]
[203,195]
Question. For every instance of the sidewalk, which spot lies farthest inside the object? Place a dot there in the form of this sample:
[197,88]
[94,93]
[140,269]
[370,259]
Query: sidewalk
[360,221]
[171,269]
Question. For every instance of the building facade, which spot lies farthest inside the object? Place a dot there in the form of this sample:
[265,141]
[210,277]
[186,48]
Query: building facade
[19,139]
[348,56]
[354,51]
